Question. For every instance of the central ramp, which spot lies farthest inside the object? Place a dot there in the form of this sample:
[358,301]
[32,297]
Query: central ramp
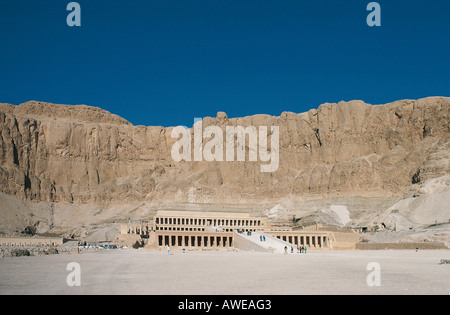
[255,242]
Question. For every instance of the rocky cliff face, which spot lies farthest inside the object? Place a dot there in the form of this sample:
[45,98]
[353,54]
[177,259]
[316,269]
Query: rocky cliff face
[84,155]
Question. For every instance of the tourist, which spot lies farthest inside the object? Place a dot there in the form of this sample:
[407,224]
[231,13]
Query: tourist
[168,250]
[285,249]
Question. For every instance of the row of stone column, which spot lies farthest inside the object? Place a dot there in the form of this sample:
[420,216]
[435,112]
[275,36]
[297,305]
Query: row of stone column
[320,241]
[202,241]
[138,229]
[206,222]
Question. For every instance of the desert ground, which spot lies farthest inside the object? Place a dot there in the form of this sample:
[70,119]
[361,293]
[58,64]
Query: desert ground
[128,271]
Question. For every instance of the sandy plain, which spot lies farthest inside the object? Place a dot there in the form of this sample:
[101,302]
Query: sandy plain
[127,271]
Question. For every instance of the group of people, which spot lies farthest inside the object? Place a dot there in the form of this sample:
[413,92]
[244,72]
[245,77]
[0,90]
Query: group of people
[241,231]
[300,250]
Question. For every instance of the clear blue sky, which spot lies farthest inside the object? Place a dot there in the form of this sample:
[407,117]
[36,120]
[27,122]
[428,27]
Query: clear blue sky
[164,62]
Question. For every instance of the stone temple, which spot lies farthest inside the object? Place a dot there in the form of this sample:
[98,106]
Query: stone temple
[224,230]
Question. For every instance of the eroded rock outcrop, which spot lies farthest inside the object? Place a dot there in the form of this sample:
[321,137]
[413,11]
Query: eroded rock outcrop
[83,155]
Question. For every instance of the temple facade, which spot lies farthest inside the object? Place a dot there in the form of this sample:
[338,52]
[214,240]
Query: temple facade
[216,230]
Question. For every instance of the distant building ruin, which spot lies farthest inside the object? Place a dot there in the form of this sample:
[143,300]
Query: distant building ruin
[6,241]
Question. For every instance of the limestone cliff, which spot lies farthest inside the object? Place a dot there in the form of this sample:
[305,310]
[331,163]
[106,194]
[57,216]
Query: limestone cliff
[85,155]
